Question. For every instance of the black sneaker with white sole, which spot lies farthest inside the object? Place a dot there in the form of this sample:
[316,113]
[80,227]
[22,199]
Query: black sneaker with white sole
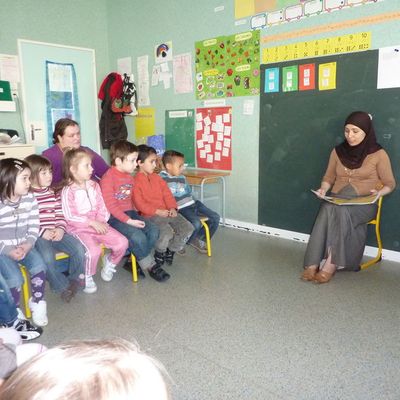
[26,330]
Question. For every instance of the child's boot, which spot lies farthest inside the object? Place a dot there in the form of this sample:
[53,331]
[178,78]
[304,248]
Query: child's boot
[169,257]
[159,258]
[157,273]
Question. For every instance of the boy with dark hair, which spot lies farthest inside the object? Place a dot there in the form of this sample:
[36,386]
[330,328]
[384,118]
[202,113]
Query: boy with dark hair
[117,189]
[190,208]
[156,203]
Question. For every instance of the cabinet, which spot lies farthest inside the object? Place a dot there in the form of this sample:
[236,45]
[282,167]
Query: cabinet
[19,151]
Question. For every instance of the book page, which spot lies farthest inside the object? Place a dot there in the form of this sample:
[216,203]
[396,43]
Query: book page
[370,199]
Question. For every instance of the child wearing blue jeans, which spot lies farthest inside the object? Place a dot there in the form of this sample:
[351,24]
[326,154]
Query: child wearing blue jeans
[190,208]
[52,236]
[117,189]
[19,229]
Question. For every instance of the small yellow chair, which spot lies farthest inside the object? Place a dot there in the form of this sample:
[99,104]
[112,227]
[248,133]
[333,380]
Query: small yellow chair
[26,292]
[377,222]
[203,221]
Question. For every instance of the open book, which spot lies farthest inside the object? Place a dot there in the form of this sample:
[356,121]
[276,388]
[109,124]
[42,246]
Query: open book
[341,201]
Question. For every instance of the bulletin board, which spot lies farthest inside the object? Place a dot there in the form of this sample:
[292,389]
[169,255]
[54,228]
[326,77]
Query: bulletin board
[214,138]
[33,56]
[298,130]
[179,133]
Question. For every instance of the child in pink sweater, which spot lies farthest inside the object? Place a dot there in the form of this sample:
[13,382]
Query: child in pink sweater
[87,216]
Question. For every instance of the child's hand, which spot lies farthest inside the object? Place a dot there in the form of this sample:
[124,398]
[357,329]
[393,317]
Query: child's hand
[137,223]
[58,234]
[16,254]
[173,213]
[48,234]
[162,213]
[26,247]
[99,227]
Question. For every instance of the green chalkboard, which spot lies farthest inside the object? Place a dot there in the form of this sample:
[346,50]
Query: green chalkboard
[299,129]
[179,133]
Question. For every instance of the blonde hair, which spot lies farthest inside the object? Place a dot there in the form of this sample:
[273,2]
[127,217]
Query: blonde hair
[87,370]
[72,157]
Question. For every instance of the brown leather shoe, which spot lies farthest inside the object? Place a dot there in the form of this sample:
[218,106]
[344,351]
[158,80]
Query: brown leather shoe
[323,276]
[309,274]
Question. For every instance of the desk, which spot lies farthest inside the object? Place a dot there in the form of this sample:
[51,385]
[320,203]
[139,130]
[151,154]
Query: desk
[199,177]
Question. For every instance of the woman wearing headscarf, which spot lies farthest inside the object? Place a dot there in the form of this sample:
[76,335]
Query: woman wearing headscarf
[357,167]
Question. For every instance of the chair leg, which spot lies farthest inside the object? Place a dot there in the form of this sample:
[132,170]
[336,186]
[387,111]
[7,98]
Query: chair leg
[208,240]
[134,269]
[26,292]
[379,255]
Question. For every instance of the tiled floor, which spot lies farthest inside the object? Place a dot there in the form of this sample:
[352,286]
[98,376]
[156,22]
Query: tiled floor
[241,325]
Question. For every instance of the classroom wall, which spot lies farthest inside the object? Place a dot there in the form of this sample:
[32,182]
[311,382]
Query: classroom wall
[146,24]
[123,28]
[72,23]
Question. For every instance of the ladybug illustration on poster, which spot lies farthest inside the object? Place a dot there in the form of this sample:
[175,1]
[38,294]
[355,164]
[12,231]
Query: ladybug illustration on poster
[228,66]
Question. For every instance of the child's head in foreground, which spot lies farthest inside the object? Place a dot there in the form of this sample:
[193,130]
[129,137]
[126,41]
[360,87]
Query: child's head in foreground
[88,370]
[174,162]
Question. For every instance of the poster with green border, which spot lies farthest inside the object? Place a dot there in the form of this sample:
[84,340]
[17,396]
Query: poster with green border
[290,79]
[210,68]
[228,66]
[179,133]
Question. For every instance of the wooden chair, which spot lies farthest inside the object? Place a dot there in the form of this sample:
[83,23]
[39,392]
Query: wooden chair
[377,222]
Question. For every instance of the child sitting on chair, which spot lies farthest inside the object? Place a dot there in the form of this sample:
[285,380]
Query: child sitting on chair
[190,208]
[117,188]
[52,236]
[155,202]
[87,216]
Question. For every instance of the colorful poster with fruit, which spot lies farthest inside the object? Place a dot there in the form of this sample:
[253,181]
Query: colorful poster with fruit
[228,66]
[214,138]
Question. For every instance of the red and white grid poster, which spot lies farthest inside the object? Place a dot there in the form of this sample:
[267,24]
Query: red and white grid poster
[214,138]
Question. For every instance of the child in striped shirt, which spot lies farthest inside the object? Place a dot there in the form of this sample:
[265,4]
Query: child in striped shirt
[52,236]
[19,230]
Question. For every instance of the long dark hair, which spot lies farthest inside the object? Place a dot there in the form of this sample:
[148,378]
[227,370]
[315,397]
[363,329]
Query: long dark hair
[10,168]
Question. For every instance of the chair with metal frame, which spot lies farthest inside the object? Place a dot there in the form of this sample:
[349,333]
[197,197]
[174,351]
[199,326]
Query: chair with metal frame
[377,222]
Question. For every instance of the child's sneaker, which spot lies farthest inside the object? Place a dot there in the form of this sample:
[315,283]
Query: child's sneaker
[169,257]
[199,245]
[90,285]
[39,312]
[108,270]
[26,330]
[157,273]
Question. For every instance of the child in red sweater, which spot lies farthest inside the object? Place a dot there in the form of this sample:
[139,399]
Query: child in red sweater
[117,188]
[155,202]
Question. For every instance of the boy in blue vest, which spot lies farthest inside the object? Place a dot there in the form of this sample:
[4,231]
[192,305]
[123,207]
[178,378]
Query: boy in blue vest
[190,208]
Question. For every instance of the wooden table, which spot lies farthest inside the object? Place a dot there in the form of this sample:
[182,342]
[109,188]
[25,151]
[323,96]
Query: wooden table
[200,177]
